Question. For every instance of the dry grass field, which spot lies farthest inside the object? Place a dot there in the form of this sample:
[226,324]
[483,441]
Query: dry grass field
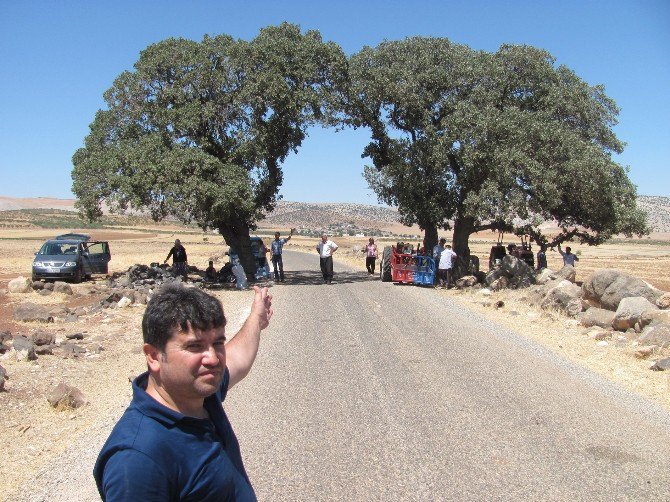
[32,432]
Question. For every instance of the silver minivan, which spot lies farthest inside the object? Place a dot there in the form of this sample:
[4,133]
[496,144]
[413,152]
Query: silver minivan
[71,257]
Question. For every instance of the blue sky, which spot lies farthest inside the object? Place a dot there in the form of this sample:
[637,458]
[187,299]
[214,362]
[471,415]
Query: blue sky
[58,57]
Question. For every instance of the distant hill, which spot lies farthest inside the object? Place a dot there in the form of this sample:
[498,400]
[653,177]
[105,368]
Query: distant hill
[658,211]
[339,215]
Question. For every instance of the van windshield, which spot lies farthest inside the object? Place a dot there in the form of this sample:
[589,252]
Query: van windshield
[58,248]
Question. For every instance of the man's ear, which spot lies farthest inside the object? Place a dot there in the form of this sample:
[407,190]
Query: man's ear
[154,357]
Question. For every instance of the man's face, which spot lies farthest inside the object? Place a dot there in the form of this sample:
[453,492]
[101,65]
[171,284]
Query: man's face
[192,365]
[277,236]
[324,237]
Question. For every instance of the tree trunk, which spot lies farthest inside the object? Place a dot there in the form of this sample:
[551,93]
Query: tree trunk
[463,227]
[237,237]
[430,239]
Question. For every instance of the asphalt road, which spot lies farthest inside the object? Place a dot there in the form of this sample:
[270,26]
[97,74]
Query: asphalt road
[365,390]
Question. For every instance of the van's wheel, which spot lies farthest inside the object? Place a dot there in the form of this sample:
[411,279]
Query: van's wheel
[77,276]
[87,277]
[385,265]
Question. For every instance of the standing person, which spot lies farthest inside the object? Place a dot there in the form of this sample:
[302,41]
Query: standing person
[277,246]
[174,441]
[326,248]
[437,252]
[445,265]
[542,257]
[179,258]
[370,256]
[568,257]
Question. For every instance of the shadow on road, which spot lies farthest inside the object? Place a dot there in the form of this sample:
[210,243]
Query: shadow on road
[314,277]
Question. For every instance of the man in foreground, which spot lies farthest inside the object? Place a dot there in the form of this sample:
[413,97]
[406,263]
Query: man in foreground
[174,441]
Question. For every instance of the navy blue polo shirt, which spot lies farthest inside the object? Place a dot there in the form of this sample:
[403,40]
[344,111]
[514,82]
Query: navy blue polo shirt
[157,454]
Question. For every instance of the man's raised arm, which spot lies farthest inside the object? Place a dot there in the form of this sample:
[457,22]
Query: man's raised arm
[241,350]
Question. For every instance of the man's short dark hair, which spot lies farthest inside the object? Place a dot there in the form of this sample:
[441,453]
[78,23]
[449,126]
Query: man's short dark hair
[443,240]
[174,307]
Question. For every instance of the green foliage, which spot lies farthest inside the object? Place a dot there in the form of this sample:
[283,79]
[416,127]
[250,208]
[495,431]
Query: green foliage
[199,130]
[488,139]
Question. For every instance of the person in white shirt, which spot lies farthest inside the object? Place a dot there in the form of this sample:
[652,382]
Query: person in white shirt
[447,258]
[326,248]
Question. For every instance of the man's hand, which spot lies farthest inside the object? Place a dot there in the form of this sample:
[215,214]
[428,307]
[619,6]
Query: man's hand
[261,308]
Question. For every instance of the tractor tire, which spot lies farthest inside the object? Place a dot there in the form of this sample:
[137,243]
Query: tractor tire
[385,265]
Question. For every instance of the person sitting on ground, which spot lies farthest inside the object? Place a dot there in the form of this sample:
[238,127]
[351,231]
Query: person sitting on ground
[210,273]
[568,257]
[226,273]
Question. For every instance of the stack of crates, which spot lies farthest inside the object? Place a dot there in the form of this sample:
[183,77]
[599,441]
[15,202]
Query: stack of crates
[411,268]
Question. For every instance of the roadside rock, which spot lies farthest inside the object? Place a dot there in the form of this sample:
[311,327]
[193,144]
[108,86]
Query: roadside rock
[661,365]
[466,281]
[62,287]
[71,350]
[607,287]
[3,376]
[29,312]
[124,302]
[597,317]
[24,348]
[20,285]
[630,311]
[567,272]
[518,271]
[599,334]
[658,334]
[545,275]
[663,301]
[42,338]
[65,396]
[645,351]
[38,285]
[565,296]
[654,316]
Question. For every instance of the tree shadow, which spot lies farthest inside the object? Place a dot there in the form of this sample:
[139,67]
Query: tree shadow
[314,277]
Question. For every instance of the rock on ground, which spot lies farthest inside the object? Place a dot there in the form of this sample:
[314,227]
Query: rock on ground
[607,287]
[630,311]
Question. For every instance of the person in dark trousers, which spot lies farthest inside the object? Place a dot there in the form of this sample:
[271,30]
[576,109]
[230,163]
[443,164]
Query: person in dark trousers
[179,258]
[542,257]
[326,248]
[370,256]
[174,441]
[277,247]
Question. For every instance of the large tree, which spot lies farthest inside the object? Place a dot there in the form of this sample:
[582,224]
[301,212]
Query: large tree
[200,130]
[479,140]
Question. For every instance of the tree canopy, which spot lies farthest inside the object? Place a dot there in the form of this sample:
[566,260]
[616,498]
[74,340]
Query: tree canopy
[503,140]
[199,130]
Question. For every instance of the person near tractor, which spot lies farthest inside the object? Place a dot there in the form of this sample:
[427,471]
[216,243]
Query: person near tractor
[370,256]
[568,257]
[277,246]
[542,257]
[437,252]
[326,248]
[446,264]
[179,258]
[174,441]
